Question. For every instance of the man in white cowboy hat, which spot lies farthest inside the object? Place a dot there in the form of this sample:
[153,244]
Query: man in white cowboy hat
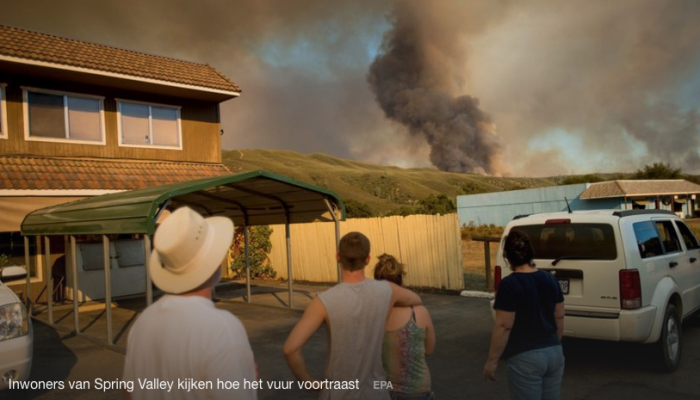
[182,337]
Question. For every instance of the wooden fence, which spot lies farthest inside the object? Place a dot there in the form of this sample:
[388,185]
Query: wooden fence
[429,246]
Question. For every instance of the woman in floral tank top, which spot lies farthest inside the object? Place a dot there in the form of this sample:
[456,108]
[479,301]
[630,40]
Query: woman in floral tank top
[409,337]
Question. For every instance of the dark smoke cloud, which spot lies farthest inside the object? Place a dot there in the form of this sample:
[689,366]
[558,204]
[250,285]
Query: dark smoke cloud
[411,87]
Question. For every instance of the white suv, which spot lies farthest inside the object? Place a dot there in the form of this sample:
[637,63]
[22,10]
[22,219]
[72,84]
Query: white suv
[16,336]
[630,276]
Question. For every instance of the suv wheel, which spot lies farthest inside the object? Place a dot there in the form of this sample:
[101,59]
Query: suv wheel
[670,343]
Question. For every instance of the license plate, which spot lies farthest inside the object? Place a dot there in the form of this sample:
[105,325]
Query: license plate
[564,285]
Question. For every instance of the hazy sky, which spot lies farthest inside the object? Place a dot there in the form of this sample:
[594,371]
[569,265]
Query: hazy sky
[503,87]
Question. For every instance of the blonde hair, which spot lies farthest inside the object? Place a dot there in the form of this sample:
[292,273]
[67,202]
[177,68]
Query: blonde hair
[388,268]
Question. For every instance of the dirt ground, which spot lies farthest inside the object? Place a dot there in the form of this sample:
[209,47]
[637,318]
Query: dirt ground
[474,264]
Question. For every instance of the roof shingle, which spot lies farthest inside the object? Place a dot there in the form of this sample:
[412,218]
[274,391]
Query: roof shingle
[641,188]
[25,44]
[35,173]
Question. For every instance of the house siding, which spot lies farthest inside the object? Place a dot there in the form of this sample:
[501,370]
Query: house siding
[199,125]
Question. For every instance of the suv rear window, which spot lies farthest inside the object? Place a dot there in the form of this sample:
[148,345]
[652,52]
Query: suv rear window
[585,241]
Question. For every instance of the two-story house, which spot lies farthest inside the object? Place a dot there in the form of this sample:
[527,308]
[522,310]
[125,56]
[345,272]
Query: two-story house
[79,119]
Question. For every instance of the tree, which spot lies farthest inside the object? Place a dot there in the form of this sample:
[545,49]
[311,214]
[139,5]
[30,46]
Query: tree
[402,211]
[589,178]
[357,209]
[259,246]
[440,204]
[658,171]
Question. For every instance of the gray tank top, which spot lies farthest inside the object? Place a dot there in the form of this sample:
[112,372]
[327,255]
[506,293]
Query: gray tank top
[357,314]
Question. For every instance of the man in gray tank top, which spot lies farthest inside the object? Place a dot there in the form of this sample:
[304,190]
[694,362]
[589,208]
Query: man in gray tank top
[355,312]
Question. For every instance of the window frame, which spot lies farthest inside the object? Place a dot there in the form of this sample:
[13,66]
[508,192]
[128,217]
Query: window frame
[3,112]
[66,122]
[150,105]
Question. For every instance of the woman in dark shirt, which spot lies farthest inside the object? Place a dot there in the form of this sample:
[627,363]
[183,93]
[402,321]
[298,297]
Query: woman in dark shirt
[529,325]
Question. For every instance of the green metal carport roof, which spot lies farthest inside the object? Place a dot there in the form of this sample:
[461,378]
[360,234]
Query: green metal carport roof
[252,198]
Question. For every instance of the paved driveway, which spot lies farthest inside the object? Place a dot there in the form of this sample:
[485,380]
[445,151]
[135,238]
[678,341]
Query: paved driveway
[595,370]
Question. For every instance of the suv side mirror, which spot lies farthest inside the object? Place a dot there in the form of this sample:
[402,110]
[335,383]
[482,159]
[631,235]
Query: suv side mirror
[13,273]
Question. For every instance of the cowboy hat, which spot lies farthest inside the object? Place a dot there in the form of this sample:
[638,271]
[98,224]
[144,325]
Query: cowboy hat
[188,249]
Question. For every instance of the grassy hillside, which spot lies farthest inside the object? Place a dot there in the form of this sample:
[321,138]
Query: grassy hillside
[382,188]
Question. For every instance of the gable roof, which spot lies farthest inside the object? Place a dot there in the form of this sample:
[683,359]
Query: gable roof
[20,45]
[639,188]
[71,174]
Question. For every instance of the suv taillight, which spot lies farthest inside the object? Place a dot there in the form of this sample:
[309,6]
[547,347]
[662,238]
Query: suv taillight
[630,289]
[496,278]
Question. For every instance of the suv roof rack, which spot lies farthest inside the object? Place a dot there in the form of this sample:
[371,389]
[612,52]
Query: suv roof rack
[629,213]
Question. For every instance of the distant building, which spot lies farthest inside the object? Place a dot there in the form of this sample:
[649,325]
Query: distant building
[679,196]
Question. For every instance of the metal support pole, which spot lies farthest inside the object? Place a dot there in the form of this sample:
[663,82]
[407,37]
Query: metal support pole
[74,272]
[49,277]
[487,255]
[289,263]
[247,262]
[147,260]
[27,265]
[108,287]
[337,236]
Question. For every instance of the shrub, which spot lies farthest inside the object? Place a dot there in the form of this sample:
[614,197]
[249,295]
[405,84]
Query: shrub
[357,209]
[259,246]
[471,230]
[440,204]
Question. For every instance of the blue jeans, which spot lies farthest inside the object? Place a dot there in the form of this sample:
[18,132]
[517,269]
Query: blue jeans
[536,374]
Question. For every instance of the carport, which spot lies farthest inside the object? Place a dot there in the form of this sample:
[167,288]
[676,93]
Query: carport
[249,199]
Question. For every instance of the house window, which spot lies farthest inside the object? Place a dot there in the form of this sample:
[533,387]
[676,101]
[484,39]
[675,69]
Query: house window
[53,116]
[3,113]
[149,125]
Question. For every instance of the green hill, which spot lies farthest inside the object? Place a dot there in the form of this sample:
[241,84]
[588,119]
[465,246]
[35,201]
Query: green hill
[382,188]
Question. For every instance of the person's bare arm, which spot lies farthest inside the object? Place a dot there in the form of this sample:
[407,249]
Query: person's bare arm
[559,319]
[499,338]
[425,319]
[402,297]
[313,318]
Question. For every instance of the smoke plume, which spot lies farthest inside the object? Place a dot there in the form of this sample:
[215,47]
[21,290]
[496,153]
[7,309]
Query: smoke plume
[411,84]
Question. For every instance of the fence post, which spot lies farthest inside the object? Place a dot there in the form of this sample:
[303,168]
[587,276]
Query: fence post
[487,256]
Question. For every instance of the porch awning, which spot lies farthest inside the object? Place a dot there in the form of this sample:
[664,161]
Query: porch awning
[252,198]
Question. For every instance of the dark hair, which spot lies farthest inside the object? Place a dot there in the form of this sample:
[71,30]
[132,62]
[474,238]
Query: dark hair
[354,250]
[388,268]
[517,249]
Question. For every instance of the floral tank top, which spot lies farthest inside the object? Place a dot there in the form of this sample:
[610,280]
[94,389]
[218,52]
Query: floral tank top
[403,356]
